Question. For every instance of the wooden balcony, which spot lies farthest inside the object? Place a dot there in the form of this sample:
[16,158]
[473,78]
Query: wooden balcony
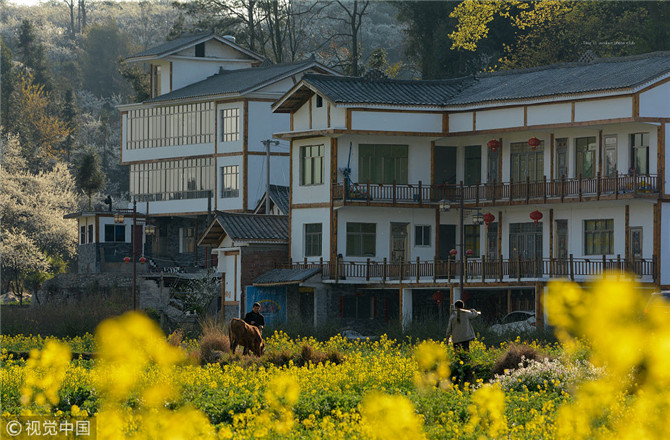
[561,190]
[479,270]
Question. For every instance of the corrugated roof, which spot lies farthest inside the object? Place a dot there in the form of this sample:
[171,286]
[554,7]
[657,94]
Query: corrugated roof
[235,81]
[280,196]
[600,75]
[242,226]
[285,276]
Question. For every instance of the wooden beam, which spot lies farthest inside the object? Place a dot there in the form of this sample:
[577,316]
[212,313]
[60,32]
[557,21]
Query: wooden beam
[551,157]
[432,162]
[348,119]
[657,240]
[600,153]
[660,155]
[245,157]
[551,233]
[626,231]
[290,194]
[328,115]
[437,234]
[310,112]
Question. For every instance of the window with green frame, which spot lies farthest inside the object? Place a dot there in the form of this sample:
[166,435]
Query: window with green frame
[361,239]
[313,240]
[599,237]
[472,237]
[382,163]
[311,164]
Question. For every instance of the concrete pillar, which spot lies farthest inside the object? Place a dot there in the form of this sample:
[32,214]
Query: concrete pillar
[321,294]
[457,295]
[406,308]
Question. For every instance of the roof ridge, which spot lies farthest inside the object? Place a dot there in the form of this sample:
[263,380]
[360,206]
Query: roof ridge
[389,80]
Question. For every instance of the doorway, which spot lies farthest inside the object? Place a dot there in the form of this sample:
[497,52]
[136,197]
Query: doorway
[399,242]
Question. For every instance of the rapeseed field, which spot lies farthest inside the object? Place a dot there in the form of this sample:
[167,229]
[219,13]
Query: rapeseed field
[608,378]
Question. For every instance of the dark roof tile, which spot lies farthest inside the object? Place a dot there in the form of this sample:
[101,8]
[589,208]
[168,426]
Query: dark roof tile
[242,226]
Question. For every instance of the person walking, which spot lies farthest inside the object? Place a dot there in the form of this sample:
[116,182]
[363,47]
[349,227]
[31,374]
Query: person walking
[459,328]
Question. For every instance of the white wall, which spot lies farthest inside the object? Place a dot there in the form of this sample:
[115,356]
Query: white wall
[177,206]
[301,217]
[654,103]
[229,203]
[301,118]
[664,268]
[612,108]
[231,146]
[227,264]
[502,118]
[397,121]
[338,117]
[157,153]
[459,122]
[549,114]
[263,123]
[311,193]
[383,217]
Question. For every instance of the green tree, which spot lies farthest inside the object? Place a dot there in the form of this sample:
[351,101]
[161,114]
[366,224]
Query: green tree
[40,132]
[33,56]
[70,115]
[103,46]
[8,81]
[429,24]
[90,177]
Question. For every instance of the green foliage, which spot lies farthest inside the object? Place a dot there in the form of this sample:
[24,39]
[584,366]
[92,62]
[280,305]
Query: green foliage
[90,177]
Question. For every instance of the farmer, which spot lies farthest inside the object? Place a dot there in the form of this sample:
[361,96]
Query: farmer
[255,318]
[459,328]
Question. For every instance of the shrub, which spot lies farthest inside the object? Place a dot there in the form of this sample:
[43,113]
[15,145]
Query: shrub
[213,339]
[546,374]
[176,337]
[516,356]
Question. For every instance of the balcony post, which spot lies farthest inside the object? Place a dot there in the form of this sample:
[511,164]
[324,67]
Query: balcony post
[418,262]
[562,186]
[579,186]
[544,189]
[394,193]
[367,270]
[518,267]
[321,265]
[618,266]
[483,267]
[400,270]
[477,194]
[304,262]
[384,271]
[572,268]
[500,268]
[435,271]
[654,271]
[616,187]
[604,265]
[599,186]
[420,194]
[367,191]
[527,189]
[634,181]
[551,266]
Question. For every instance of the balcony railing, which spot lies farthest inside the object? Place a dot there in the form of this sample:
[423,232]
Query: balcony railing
[479,270]
[500,192]
[173,195]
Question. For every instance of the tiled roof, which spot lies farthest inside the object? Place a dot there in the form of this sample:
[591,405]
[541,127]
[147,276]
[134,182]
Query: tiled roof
[235,81]
[169,46]
[386,91]
[285,276]
[600,75]
[603,74]
[280,196]
[241,226]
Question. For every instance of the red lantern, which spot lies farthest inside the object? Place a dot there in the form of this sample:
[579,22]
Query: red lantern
[142,260]
[469,252]
[536,216]
[438,297]
[488,218]
[126,259]
[534,142]
[494,144]
[453,252]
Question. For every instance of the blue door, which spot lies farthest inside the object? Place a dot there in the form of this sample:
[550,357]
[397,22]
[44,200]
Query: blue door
[272,301]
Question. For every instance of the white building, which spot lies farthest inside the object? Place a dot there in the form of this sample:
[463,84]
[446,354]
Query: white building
[197,146]
[594,179]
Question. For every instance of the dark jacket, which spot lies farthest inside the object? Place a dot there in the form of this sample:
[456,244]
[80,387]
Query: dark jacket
[253,318]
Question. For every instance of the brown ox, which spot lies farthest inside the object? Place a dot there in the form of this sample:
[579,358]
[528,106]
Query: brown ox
[248,336]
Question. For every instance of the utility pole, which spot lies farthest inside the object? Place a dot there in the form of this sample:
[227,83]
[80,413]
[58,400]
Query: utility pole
[267,143]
